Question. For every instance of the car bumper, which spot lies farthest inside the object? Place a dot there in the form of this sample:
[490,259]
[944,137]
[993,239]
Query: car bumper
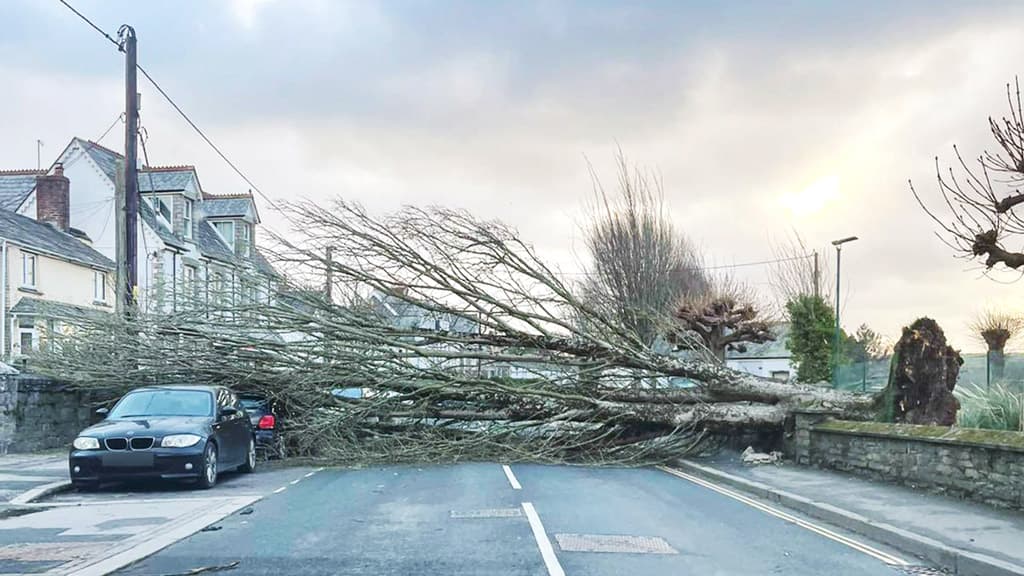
[163,463]
[265,438]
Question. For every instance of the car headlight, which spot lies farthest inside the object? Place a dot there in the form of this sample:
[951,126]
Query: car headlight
[86,443]
[180,440]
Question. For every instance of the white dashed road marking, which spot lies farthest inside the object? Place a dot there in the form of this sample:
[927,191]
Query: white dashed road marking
[856,545]
[281,489]
[511,477]
[546,551]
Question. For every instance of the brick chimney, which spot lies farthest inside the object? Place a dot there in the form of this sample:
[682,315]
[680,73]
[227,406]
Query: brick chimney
[53,199]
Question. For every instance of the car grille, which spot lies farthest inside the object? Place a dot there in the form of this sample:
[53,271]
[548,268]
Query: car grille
[140,443]
[117,444]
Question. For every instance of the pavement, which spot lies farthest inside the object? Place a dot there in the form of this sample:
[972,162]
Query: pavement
[21,473]
[964,536]
[91,534]
[484,519]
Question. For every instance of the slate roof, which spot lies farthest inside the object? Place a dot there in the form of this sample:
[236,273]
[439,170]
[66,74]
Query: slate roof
[104,157]
[210,244]
[774,349]
[43,237]
[51,309]
[15,186]
[215,207]
[165,180]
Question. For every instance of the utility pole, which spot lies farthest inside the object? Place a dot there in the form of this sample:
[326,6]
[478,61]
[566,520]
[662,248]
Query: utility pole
[817,277]
[131,163]
[120,281]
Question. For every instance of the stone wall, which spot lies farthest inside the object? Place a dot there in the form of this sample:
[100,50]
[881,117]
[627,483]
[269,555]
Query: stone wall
[983,465]
[39,414]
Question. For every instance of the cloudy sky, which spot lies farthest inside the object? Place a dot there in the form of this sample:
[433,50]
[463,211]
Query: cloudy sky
[761,117]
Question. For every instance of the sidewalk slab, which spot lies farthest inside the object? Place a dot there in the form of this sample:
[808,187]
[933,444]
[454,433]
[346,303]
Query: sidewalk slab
[972,538]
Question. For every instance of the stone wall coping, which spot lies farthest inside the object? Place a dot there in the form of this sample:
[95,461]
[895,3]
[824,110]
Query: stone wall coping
[967,437]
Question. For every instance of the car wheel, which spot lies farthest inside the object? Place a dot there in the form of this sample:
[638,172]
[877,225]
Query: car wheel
[250,458]
[208,475]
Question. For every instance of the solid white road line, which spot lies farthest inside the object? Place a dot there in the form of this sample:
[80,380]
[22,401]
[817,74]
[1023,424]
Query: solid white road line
[546,551]
[511,477]
[856,545]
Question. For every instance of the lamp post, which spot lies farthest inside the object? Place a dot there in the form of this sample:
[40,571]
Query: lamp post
[835,338]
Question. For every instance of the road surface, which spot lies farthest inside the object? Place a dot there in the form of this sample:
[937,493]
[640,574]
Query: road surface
[471,519]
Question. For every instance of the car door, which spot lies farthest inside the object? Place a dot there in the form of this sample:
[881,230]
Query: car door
[224,430]
[241,428]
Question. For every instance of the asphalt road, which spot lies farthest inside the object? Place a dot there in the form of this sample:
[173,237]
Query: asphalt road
[469,520]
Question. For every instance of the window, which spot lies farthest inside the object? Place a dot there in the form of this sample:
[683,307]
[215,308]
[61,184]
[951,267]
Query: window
[187,218]
[246,240]
[780,375]
[163,208]
[28,270]
[26,342]
[190,279]
[227,232]
[27,333]
[99,286]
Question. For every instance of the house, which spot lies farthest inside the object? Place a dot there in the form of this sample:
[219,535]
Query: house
[769,360]
[49,272]
[194,248]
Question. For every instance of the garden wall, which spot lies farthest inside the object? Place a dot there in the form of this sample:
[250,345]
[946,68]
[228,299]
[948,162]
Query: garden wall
[38,414]
[984,465]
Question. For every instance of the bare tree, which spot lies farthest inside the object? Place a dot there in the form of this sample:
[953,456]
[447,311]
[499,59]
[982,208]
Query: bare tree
[799,271]
[995,329]
[725,317]
[641,265]
[461,344]
[976,215]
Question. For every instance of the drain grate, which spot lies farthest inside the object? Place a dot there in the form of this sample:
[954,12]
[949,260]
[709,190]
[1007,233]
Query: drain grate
[613,544]
[488,513]
[924,571]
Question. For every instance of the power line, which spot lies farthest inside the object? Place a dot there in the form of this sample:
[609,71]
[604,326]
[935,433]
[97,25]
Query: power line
[721,267]
[182,113]
[90,23]
[120,118]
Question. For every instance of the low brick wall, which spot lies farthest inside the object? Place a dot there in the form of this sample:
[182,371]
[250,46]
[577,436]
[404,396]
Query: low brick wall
[39,414]
[984,465]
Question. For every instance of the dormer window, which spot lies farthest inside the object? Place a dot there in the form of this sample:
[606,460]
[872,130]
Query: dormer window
[227,232]
[163,208]
[246,247]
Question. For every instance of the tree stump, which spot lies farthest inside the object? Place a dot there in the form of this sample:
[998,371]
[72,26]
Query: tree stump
[923,375]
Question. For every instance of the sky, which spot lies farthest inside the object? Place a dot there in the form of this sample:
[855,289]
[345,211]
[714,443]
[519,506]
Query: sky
[761,118]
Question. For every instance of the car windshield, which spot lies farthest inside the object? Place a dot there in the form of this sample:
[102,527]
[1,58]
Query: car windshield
[164,403]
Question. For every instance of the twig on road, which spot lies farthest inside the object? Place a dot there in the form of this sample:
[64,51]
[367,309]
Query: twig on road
[204,569]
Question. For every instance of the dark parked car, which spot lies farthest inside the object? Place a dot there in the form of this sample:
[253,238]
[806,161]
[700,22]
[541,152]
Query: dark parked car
[266,422]
[168,432]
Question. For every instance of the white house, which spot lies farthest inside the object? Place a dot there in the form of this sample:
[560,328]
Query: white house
[193,247]
[769,360]
[49,272]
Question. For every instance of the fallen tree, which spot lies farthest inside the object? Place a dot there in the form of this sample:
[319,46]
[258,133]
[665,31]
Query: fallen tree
[442,337]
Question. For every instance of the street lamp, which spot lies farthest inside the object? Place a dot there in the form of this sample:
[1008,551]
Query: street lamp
[835,340]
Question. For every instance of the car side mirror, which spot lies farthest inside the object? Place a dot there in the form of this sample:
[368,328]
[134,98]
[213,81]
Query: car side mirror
[228,411]
[103,411]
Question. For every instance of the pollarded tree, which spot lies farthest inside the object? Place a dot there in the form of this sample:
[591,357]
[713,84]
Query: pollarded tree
[995,329]
[977,215]
[724,318]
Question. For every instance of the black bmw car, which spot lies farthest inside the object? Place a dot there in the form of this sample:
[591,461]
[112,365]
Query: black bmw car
[166,432]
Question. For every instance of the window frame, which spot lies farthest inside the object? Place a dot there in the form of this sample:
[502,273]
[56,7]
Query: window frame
[99,286]
[230,239]
[156,202]
[25,258]
[186,218]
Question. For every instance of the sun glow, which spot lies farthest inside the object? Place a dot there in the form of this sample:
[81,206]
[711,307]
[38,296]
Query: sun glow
[812,199]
